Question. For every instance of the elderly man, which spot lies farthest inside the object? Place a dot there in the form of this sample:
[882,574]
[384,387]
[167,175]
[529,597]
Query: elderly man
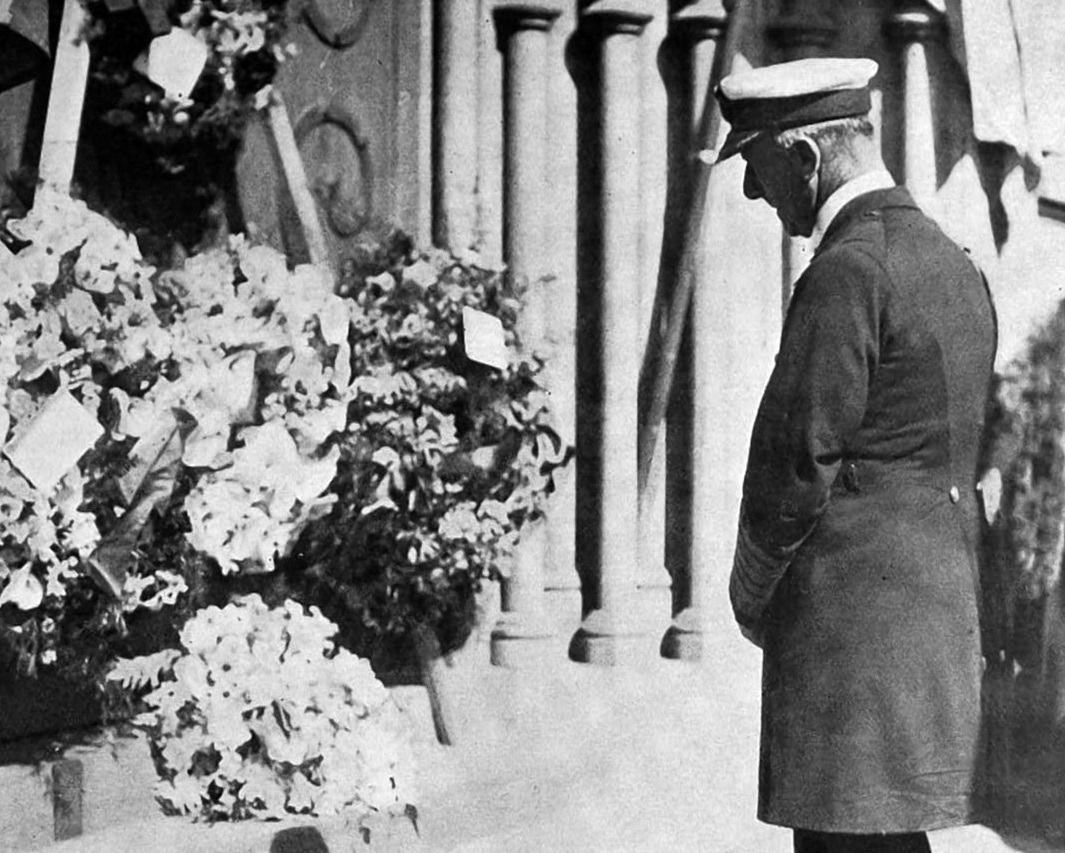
[855,566]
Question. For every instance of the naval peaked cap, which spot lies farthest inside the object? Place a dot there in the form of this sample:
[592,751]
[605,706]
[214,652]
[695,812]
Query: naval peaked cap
[792,94]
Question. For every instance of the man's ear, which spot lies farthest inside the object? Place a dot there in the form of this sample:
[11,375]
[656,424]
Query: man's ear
[808,157]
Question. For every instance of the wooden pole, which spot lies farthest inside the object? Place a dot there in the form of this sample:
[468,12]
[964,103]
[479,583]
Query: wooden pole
[696,30]
[66,99]
[660,361]
[799,34]
[296,178]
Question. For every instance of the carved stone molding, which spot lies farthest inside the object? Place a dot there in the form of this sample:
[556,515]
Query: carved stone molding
[616,17]
[339,35]
[697,20]
[512,17]
[346,213]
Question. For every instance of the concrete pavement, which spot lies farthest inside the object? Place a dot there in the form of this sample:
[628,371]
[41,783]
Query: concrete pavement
[564,758]
[661,757]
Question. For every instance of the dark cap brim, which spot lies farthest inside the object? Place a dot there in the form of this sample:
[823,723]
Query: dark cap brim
[736,141]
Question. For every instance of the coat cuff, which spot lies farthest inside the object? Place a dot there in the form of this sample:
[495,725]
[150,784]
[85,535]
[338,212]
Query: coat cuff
[755,575]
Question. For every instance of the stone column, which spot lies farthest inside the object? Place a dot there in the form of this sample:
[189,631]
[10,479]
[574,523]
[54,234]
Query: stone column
[523,32]
[695,29]
[523,38]
[455,124]
[608,514]
[800,31]
[913,25]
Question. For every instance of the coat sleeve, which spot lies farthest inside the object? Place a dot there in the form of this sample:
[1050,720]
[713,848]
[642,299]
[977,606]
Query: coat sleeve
[811,408]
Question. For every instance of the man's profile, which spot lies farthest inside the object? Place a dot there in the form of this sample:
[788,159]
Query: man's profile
[856,565]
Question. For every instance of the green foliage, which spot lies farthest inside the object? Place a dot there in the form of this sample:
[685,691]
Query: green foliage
[443,463]
[258,430]
[244,50]
[1028,438]
[161,163]
[218,387]
[260,715]
[254,419]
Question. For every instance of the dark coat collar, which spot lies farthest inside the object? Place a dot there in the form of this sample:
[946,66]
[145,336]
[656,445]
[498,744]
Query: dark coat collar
[867,204]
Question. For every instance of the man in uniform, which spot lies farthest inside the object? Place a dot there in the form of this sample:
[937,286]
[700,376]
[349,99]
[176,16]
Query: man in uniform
[856,566]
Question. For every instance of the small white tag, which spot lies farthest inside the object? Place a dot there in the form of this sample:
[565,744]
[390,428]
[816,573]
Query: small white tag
[990,487]
[174,62]
[54,441]
[484,338]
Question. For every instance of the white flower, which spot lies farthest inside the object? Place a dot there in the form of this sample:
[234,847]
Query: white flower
[79,312]
[460,523]
[319,424]
[385,282]
[200,634]
[23,590]
[301,794]
[81,535]
[421,273]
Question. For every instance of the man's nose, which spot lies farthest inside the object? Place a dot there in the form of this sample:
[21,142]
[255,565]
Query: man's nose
[751,186]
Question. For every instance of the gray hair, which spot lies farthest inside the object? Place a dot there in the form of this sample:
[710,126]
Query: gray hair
[838,131]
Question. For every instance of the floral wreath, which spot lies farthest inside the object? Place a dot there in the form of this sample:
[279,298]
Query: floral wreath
[244,41]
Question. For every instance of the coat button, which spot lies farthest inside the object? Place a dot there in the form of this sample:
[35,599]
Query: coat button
[850,477]
[955,495]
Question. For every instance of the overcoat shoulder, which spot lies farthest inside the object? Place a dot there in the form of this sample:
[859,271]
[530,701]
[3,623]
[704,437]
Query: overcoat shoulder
[856,560]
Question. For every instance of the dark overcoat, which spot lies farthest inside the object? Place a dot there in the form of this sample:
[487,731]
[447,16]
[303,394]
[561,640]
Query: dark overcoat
[856,563]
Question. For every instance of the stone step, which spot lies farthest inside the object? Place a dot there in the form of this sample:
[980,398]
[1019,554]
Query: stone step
[117,780]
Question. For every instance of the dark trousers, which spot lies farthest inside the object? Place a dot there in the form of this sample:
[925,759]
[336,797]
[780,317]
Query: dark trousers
[831,842]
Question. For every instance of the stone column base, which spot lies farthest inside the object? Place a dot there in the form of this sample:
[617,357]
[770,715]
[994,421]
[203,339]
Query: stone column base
[520,641]
[683,639]
[605,641]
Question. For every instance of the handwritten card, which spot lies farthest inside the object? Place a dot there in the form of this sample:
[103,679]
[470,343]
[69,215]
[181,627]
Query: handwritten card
[54,441]
[174,62]
[484,338]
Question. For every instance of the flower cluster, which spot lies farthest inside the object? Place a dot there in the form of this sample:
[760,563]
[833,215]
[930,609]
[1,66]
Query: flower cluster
[261,715]
[74,304]
[1027,444]
[244,49]
[242,417]
[227,377]
[444,461]
[267,352]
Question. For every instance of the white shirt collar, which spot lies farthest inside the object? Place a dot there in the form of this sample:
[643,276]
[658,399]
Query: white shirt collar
[879,179]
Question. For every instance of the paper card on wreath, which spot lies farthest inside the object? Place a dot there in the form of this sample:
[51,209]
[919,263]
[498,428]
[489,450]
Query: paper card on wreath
[174,62]
[484,338]
[54,441]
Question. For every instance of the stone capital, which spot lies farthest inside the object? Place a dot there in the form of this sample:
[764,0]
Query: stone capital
[915,21]
[617,17]
[511,18]
[697,20]
[512,15]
